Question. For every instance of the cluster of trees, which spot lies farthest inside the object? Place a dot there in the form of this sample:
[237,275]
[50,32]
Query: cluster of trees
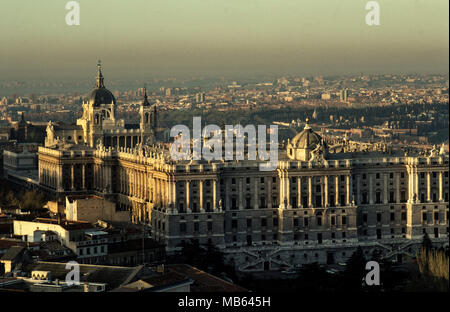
[432,267]
[27,201]
[373,115]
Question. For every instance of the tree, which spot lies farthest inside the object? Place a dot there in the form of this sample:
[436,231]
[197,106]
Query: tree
[355,270]
[426,242]
[32,201]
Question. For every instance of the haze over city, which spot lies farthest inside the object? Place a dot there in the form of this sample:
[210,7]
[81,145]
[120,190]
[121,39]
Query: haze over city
[140,39]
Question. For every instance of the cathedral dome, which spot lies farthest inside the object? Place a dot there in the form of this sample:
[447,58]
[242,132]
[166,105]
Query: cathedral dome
[100,95]
[307,139]
[307,145]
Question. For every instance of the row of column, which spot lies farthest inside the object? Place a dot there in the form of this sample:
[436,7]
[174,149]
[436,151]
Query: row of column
[255,193]
[201,208]
[148,187]
[125,141]
[285,199]
[413,185]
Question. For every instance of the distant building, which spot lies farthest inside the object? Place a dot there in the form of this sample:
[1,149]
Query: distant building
[344,95]
[326,96]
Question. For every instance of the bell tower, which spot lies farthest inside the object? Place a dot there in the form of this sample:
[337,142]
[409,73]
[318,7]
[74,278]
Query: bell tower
[147,117]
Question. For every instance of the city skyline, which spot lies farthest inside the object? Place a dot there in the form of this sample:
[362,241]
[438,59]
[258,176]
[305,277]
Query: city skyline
[140,39]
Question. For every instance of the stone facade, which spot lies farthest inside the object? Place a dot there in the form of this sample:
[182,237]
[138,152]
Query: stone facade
[320,203]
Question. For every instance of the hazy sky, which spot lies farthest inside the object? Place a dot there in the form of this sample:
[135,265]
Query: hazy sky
[151,38]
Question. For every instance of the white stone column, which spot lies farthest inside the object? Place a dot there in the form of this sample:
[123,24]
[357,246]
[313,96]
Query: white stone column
[441,193]
[200,183]
[347,190]
[397,187]
[310,202]
[288,189]
[410,185]
[299,192]
[168,192]
[174,192]
[385,188]
[214,203]
[336,186]
[428,187]
[416,183]
[282,186]
[130,182]
[188,203]
[325,190]
[371,188]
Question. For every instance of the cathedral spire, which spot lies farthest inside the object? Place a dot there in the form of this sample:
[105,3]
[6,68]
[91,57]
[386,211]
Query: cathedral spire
[145,102]
[100,83]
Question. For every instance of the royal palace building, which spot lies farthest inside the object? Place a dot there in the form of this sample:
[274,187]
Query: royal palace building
[323,200]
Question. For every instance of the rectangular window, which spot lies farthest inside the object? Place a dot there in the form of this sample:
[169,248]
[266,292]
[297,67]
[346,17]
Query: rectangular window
[275,221]
[392,216]
[196,226]
[344,220]
[364,217]
[378,217]
[319,221]
[264,222]
[209,226]
[182,227]
[233,224]
[305,221]
[436,216]
[333,220]
[249,222]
